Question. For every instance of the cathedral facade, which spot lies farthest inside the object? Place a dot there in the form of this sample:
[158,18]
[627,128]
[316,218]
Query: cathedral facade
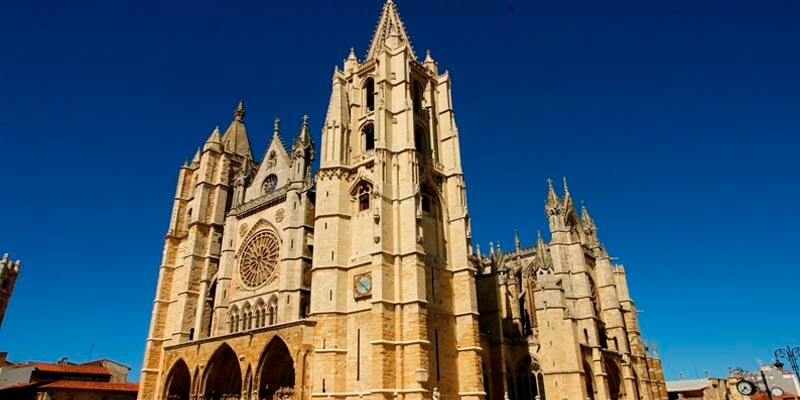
[359,280]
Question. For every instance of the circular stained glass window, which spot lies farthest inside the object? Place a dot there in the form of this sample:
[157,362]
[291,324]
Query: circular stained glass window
[269,184]
[259,259]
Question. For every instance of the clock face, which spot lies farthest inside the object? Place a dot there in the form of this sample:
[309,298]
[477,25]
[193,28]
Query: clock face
[776,391]
[363,284]
[746,388]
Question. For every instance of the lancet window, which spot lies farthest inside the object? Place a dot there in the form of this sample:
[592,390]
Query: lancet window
[526,382]
[272,311]
[369,92]
[363,196]
[368,137]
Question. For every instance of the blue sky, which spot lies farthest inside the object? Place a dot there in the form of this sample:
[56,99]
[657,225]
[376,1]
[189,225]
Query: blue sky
[677,122]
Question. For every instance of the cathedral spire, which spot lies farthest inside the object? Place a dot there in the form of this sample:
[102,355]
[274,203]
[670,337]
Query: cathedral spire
[214,141]
[589,228]
[567,197]
[303,139]
[389,25]
[552,203]
[235,137]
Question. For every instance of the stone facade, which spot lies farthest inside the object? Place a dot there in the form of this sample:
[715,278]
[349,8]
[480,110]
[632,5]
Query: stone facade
[9,271]
[362,282]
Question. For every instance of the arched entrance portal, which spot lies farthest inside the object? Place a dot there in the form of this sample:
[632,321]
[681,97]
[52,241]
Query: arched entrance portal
[178,382]
[276,372]
[223,375]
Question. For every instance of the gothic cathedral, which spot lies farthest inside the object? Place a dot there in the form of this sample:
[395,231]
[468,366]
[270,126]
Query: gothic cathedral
[360,281]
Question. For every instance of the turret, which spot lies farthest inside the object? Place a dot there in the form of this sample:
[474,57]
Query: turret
[302,156]
[9,271]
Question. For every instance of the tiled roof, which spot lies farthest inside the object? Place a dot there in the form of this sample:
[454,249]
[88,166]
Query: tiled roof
[765,396]
[72,369]
[88,385]
[686,385]
[19,385]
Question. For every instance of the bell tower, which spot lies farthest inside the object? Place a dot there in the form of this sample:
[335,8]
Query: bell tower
[9,270]
[392,289]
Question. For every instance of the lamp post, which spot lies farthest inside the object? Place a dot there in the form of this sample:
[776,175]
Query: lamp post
[789,353]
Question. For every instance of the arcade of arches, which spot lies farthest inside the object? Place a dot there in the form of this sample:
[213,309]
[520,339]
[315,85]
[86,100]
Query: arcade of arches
[224,377]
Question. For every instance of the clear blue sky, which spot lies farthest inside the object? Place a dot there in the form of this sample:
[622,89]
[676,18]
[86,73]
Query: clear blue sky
[677,122]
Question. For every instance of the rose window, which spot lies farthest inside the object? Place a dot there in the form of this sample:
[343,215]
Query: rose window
[269,184]
[259,259]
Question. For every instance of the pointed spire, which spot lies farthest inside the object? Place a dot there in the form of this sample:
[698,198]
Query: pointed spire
[585,213]
[196,158]
[539,241]
[238,114]
[517,243]
[351,61]
[430,64]
[214,138]
[552,197]
[276,126]
[235,137]
[303,139]
[389,25]
[567,196]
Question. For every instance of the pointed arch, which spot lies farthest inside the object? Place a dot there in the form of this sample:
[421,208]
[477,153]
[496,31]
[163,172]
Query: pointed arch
[362,191]
[275,372]
[433,217]
[247,317]
[369,93]
[588,380]
[367,137]
[526,381]
[248,382]
[179,382]
[615,388]
[261,312]
[272,310]
[223,374]
[233,319]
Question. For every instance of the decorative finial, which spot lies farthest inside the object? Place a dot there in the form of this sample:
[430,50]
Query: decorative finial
[428,57]
[538,234]
[305,120]
[238,114]
[352,55]
[566,188]
[276,126]
[516,239]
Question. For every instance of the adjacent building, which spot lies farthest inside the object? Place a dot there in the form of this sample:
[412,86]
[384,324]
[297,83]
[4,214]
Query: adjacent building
[360,280]
[95,380]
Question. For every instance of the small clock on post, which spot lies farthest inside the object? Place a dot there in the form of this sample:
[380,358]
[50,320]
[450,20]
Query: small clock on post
[362,285]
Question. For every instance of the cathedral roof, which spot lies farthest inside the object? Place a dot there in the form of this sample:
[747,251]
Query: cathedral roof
[389,24]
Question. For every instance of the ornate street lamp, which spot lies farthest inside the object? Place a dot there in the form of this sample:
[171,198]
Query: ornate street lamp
[789,353]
